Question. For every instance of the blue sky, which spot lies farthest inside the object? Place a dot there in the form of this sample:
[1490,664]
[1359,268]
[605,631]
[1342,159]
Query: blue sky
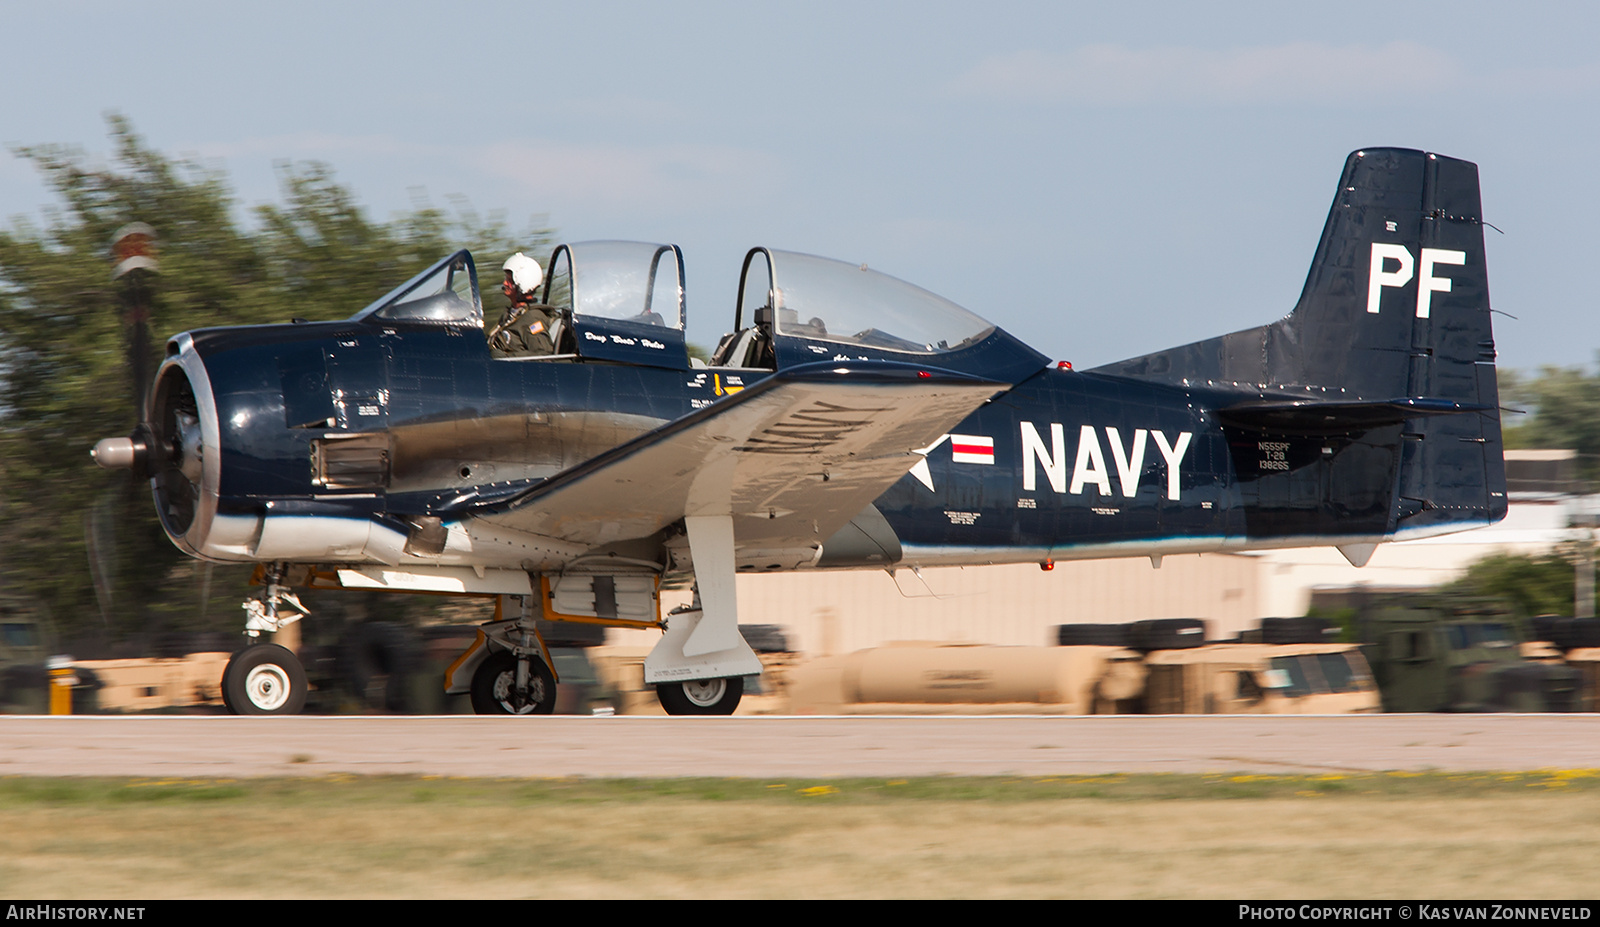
[1103,180]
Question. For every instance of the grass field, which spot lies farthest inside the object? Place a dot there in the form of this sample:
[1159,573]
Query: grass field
[1398,836]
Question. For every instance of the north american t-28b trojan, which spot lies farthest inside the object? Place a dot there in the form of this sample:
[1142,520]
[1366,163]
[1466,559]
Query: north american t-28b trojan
[848,421]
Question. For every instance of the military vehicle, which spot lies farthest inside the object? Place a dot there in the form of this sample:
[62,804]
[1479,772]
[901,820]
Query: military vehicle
[1439,654]
[1256,678]
[1573,642]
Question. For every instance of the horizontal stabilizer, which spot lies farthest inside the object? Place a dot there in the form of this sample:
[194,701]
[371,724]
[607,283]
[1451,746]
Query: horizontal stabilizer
[1319,417]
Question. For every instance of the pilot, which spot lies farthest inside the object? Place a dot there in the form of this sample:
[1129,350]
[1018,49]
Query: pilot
[528,326]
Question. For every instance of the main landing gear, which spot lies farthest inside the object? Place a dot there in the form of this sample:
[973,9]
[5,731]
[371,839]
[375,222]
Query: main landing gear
[504,685]
[698,667]
[513,675]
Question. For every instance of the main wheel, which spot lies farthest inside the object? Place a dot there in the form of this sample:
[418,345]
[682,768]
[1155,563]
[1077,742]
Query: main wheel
[701,696]
[264,680]
[494,687]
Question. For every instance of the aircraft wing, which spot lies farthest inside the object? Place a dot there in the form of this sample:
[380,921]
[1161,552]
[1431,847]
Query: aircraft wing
[792,459]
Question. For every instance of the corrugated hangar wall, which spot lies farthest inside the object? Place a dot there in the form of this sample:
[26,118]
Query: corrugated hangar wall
[843,611]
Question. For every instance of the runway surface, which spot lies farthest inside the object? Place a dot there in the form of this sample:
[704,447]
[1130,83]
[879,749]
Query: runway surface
[792,747]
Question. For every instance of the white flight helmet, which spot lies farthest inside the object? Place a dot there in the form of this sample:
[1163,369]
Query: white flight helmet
[525,272]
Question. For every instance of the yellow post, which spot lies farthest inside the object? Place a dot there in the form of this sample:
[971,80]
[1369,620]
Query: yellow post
[62,679]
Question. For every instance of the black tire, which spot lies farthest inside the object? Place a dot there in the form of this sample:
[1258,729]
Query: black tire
[1093,635]
[1580,632]
[702,696]
[1168,634]
[765,638]
[265,679]
[1303,630]
[1543,627]
[494,687]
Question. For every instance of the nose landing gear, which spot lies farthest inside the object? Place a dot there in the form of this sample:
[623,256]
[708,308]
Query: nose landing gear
[267,679]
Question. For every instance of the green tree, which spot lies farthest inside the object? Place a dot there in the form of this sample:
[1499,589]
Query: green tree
[1532,585]
[1564,403]
[64,380]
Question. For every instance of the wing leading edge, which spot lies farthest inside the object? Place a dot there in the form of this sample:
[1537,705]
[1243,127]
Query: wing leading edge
[791,459]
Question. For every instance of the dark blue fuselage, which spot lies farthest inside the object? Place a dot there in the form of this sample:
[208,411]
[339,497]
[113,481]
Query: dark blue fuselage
[463,428]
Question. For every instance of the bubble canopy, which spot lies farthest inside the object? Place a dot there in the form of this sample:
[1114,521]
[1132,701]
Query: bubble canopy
[821,299]
[623,302]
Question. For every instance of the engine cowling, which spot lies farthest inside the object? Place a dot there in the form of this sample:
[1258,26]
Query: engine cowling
[184,460]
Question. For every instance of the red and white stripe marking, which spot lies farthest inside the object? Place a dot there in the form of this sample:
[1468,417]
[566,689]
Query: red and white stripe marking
[973,449]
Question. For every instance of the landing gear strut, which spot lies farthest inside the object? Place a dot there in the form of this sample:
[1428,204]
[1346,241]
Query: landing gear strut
[698,667]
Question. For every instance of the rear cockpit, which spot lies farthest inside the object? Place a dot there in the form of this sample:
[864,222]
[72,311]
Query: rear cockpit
[795,309]
[802,308]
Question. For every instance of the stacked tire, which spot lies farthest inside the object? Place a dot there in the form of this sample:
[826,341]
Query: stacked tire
[1566,633]
[1150,634]
[765,638]
[1304,630]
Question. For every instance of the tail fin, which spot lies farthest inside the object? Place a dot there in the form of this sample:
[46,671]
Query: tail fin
[1393,320]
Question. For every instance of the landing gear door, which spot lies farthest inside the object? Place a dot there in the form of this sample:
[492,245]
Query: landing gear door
[623,301]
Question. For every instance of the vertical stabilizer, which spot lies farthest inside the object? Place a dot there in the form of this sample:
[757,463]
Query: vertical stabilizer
[1395,307]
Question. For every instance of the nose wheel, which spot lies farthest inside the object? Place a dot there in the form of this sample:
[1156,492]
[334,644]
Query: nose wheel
[265,679]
